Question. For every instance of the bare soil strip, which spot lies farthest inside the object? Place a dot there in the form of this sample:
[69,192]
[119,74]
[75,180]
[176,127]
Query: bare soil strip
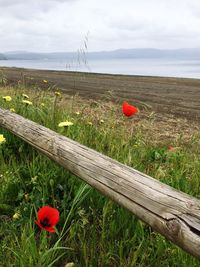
[177,96]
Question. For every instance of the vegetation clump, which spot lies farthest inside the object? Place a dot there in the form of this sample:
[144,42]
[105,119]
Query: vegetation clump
[86,228]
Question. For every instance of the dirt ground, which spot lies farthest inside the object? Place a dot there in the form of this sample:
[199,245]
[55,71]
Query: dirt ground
[176,96]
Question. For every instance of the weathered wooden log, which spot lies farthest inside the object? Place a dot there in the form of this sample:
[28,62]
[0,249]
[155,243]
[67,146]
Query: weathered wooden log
[173,214]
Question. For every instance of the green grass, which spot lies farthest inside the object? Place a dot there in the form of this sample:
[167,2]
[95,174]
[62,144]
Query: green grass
[93,231]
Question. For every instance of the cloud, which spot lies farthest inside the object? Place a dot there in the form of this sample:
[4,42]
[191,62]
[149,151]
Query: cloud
[61,25]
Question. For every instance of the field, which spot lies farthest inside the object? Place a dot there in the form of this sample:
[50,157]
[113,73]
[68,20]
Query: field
[176,96]
[162,140]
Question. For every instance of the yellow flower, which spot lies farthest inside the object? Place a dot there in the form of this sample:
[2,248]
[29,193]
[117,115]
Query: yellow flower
[101,121]
[25,96]
[42,104]
[89,123]
[16,216]
[7,98]
[57,93]
[2,139]
[70,264]
[27,102]
[65,124]
[77,113]
[45,81]
[26,196]
[34,179]
[12,110]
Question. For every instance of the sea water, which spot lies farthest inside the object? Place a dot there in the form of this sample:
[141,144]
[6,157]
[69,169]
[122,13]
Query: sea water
[146,67]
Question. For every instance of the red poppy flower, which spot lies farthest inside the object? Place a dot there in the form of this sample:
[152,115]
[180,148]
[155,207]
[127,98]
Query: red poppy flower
[170,148]
[47,218]
[129,110]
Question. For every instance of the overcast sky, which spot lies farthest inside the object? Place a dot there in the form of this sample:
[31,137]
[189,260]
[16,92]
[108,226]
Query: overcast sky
[64,25]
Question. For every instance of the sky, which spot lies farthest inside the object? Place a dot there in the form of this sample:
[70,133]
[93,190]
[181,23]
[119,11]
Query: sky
[103,25]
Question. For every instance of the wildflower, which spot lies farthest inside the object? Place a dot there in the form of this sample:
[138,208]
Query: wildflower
[26,196]
[45,81]
[101,121]
[65,124]
[77,113]
[70,264]
[25,96]
[48,217]
[2,139]
[170,148]
[57,93]
[129,110]
[27,102]
[12,110]
[34,179]
[42,104]
[90,123]
[16,216]
[7,98]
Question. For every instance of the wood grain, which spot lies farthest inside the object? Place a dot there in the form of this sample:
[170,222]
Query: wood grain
[173,214]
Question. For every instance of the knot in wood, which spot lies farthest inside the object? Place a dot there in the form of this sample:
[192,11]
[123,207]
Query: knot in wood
[174,227]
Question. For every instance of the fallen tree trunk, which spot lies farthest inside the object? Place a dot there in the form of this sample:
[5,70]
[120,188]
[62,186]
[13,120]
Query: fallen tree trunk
[173,214]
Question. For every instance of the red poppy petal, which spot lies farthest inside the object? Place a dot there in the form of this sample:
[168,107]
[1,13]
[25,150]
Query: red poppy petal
[49,229]
[125,103]
[43,212]
[129,110]
[54,218]
[38,223]
[48,212]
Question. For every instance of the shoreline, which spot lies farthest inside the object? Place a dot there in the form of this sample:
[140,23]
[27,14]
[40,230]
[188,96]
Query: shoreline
[96,73]
[167,95]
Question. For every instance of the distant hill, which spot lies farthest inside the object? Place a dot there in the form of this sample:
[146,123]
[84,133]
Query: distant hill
[2,56]
[183,54]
